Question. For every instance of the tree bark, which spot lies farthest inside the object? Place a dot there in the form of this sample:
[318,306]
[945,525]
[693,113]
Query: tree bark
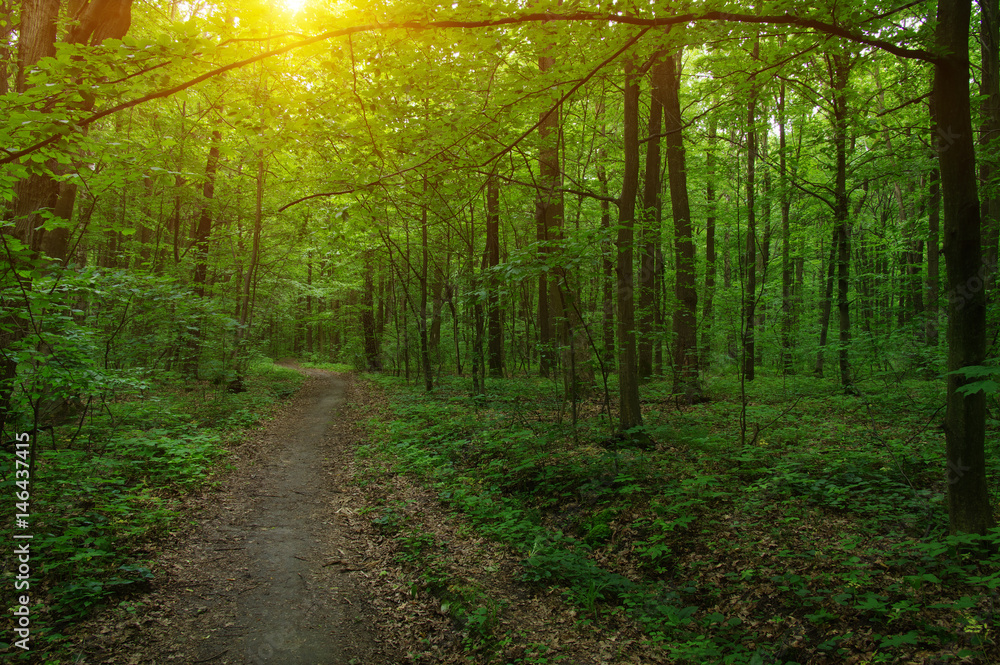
[750,263]
[839,69]
[495,329]
[969,506]
[201,246]
[607,251]
[710,269]
[786,240]
[425,355]
[933,246]
[246,288]
[630,414]
[369,332]
[826,306]
[649,229]
[685,327]
[548,219]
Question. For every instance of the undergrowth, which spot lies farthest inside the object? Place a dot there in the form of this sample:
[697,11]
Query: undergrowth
[103,488]
[822,541]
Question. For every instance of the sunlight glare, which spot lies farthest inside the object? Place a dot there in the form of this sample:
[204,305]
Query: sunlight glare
[293,6]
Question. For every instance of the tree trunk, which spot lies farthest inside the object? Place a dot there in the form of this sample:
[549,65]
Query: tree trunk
[202,243]
[749,262]
[969,506]
[630,414]
[425,355]
[437,305]
[373,362]
[548,217]
[786,240]
[685,329]
[649,229]
[826,306]
[933,248]
[495,328]
[607,264]
[840,68]
[246,315]
[706,312]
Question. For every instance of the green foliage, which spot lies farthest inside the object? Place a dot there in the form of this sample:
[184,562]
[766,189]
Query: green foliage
[832,522]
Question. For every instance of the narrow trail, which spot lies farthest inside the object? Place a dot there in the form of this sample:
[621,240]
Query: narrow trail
[268,575]
[289,616]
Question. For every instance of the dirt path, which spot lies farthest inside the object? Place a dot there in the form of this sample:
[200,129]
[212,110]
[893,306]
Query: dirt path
[272,573]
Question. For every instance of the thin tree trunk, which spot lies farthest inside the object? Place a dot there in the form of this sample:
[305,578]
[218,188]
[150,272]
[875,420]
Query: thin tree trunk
[706,312]
[425,355]
[246,315]
[750,263]
[630,415]
[840,68]
[202,243]
[933,248]
[548,214]
[649,228]
[495,328]
[786,240]
[826,306]
[607,264]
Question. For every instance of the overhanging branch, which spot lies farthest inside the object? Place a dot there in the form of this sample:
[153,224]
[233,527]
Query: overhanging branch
[573,17]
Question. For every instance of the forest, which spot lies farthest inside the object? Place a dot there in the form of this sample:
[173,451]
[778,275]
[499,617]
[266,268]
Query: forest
[680,315]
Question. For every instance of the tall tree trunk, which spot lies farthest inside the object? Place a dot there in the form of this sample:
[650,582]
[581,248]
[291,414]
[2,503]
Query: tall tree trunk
[563,316]
[548,217]
[649,228]
[969,506]
[33,195]
[37,193]
[202,243]
[629,412]
[933,248]
[840,68]
[308,322]
[706,312]
[437,305]
[246,316]
[764,246]
[786,240]
[750,263]
[495,329]
[607,264]
[685,329]
[425,354]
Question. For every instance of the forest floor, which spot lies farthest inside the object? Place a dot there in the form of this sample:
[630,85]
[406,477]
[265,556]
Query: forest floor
[372,523]
[274,570]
